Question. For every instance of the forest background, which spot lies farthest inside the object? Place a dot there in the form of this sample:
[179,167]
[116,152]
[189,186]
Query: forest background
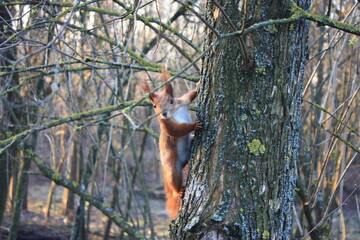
[69,97]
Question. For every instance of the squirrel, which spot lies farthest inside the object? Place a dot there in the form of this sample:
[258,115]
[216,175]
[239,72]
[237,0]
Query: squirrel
[174,141]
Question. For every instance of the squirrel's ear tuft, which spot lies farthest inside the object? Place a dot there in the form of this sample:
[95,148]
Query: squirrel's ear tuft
[145,87]
[168,89]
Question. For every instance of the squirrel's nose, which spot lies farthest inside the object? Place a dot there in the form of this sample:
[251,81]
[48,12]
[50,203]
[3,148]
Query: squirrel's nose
[164,114]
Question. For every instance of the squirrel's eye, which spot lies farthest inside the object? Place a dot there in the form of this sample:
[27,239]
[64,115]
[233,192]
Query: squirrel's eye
[171,101]
[154,106]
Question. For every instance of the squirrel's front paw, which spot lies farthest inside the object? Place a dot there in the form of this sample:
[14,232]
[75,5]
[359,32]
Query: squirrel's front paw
[182,192]
[197,86]
[198,125]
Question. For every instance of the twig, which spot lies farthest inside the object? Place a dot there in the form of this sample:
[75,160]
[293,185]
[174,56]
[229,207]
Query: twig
[333,116]
[109,65]
[147,23]
[338,183]
[200,17]
[324,20]
[77,189]
[181,11]
[241,41]
[323,54]
[357,206]
[75,117]
[323,219]
[254,27]
[356,149]
[126,106]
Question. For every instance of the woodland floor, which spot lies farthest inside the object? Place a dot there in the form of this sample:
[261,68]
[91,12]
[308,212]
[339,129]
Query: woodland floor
[34,226]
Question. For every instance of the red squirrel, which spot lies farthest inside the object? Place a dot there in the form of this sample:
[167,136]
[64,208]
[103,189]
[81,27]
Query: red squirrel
[174,141]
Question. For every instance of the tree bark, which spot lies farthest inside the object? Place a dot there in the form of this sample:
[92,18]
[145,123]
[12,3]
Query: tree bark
[8,116]
[68,196]
[62,144]
[19,196]
[242,176]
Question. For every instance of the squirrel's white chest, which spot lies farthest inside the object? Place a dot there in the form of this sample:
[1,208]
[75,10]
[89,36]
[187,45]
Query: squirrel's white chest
[182,115]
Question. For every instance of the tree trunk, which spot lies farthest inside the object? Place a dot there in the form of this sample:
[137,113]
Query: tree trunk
[19,196]
[242,176]
[68,196]
[8,116]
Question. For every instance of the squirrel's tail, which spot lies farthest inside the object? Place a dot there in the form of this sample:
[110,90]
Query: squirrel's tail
[174,197]
[173,204]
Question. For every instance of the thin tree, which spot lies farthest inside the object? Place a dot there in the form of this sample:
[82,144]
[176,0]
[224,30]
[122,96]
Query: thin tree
[6,117]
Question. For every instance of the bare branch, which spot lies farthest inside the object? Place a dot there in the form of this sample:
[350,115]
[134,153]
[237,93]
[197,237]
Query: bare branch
[295,9]
[200,17]
[75,117]
[356,149]
[77,189]
[325,217]
[332,115]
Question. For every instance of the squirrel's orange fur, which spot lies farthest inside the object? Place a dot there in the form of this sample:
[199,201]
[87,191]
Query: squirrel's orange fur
[174,142]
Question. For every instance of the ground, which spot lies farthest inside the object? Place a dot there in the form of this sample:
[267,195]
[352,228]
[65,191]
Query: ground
[34,225]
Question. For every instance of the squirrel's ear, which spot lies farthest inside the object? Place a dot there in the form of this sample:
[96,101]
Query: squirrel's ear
[145,87]
[168,88]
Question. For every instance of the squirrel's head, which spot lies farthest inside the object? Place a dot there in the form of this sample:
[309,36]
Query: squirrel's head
[163,102]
